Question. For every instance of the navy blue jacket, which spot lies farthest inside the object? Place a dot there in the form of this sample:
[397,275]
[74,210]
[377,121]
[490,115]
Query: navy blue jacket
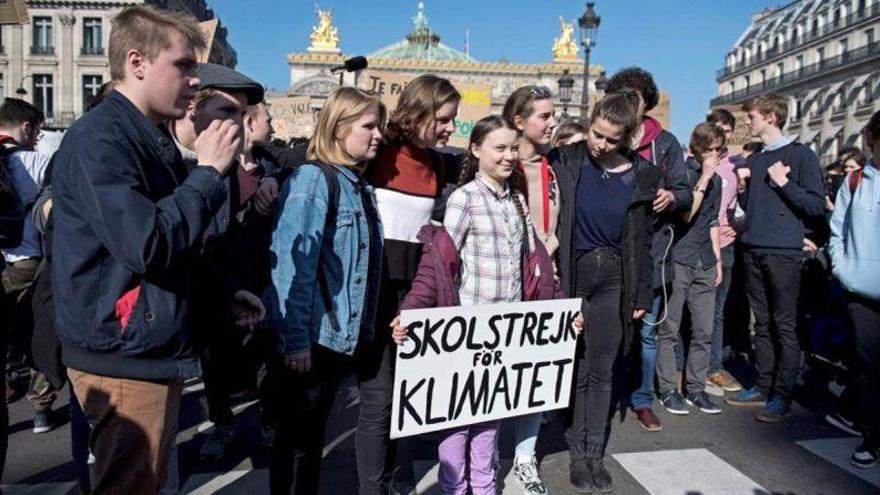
[126,221]
[776,216]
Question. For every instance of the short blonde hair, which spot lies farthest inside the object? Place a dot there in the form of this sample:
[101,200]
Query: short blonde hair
[342,108]
[770,104]
[149,31]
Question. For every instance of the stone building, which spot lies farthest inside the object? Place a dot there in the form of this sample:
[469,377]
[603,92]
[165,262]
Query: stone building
[822,54]
[58,60]
[421,52]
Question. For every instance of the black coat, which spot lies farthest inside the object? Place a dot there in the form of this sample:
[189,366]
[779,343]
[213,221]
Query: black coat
[126,222]
[638,233]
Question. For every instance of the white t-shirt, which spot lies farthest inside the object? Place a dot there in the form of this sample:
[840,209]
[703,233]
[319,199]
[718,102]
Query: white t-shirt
[27,170]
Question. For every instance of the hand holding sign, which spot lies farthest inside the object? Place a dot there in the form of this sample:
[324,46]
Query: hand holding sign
[470,364]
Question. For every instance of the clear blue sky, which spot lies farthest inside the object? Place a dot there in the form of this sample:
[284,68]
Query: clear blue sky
[681,42]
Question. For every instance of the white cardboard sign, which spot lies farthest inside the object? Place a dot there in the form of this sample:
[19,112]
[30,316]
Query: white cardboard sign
[470,364]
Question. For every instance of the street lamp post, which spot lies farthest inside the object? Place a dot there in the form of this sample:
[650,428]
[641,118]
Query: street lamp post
[589,27]
[21,91]
[565,84]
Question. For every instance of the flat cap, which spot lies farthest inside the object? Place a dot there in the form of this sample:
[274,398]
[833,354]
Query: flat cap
[220,77]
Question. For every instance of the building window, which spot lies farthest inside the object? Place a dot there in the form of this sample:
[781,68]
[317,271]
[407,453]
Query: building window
[844,45]
[748,82]
[42,28]
[820,54]
[91,86]
[93,43]
[43,94]
[2,49]
[780,69]
[798,108]
[799,63]
[730,88]
[869,36]
[2,88]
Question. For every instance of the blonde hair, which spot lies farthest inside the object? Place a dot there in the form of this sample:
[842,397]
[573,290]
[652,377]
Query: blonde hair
[149,31]
[770,104]
[342,108]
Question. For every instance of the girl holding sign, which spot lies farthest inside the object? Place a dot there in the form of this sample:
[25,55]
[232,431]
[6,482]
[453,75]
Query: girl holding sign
[472,260]
[327,244]
[605,234]
[530,108]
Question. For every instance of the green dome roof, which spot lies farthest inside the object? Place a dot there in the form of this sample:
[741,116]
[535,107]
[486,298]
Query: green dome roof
[421,44]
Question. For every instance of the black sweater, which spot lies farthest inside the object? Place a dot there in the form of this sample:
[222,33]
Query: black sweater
[775,216]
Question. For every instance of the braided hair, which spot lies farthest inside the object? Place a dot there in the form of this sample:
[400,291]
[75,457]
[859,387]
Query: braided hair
[470,164]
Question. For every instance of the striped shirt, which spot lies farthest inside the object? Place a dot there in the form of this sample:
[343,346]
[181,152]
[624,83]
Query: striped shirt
[407,184]
[488,233]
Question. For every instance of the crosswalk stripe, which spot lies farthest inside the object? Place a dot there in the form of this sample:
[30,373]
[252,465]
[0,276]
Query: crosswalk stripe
[837,451]
[680,472]
[219,482]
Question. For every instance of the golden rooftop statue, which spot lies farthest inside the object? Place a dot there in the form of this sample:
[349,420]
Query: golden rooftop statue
[565,49]
[324,36]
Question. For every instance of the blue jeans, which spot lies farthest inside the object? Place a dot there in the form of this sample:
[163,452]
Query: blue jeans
[526,433]
[715,357]
[643,397]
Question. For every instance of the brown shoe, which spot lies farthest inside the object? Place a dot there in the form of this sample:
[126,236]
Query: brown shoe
[648,420]
[724,380]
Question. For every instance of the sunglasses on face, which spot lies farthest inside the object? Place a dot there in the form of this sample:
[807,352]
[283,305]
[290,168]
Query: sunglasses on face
[541,91]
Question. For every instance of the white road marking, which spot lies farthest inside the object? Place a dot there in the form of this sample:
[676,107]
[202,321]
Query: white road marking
[681,472]
[219,482]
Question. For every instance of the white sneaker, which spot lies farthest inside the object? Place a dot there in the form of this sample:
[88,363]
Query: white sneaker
[526,475]
[713,389]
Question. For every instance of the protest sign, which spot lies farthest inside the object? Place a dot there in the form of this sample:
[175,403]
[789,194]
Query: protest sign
[476,103]
[387,85]
[471,364]
[292,116]
[209,30]
[13,12]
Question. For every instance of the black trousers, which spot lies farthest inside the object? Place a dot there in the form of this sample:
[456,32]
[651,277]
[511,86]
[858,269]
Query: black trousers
[773,282]
[599,283]
[865,315]
[4,409]
[304,401]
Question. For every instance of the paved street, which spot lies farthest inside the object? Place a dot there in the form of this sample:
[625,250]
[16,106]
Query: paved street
[698,454]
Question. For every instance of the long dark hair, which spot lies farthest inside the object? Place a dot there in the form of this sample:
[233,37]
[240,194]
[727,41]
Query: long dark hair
[470,163]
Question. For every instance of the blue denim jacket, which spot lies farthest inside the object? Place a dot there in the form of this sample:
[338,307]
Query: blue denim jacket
[350,268]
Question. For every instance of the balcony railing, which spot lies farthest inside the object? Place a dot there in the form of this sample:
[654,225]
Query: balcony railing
[92,50]
[807,37]
[850,57]
[42,50]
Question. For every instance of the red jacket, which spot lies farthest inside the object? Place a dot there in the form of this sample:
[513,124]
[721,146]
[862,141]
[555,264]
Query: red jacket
[435,282]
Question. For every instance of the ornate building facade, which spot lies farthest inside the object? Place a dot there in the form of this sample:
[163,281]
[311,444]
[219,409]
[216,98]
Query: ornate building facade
[421,52]
[58,60]
[824,55]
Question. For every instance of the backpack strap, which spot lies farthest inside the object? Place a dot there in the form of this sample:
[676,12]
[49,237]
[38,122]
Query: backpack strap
[332,179]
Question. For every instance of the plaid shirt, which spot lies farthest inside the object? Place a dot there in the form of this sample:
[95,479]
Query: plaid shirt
[488,232]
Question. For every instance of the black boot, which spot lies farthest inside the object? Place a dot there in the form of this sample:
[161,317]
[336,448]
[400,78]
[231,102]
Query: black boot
[579,475]
[602,482]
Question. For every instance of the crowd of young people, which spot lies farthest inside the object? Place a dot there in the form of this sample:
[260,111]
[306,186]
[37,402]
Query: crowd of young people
[169,239]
